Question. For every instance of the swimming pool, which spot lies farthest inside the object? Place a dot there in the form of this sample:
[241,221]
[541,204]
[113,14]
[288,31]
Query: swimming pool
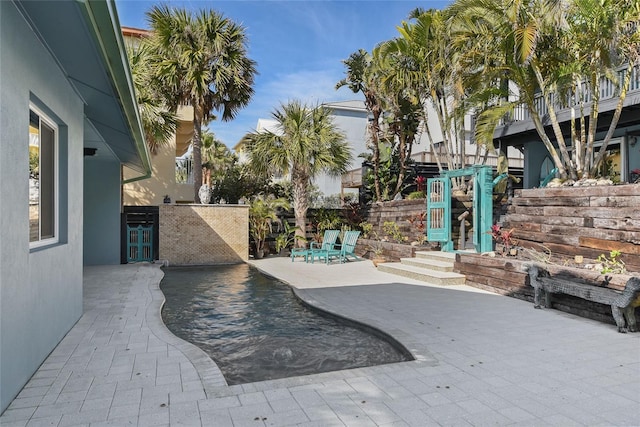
[255,329]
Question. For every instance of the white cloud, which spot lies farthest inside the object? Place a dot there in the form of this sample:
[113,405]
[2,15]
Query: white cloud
[309,86]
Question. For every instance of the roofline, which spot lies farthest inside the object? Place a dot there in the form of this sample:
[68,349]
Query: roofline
[135,32]
[338,106]
[103,24]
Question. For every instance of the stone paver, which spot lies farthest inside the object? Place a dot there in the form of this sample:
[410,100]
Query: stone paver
[481,359]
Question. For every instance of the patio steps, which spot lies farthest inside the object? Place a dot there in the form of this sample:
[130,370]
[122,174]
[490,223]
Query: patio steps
[428,266]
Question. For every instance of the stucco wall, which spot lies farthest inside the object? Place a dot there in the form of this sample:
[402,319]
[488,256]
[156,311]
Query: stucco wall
[204,234]
[40,290]
[101,234]
[151,192]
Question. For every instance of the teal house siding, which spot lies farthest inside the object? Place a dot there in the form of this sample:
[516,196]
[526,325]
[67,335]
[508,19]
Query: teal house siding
[41,290]
[66,60]
[102,212]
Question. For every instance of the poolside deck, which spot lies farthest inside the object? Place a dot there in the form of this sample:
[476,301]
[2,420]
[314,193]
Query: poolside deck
[482,359]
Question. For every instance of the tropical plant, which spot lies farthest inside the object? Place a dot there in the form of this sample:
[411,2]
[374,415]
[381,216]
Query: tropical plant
[287,237]
[402,101]
[429,65]
[602,35]
[366,228]
[418,222]
[217,159]
[307,142]
[558,50]
[327,219]
[262,213]
[613,264]
[362,76]
[502,236]
[201,59]
[392,231]
[158,122]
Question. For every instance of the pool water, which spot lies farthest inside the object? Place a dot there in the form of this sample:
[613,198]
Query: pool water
[255,329]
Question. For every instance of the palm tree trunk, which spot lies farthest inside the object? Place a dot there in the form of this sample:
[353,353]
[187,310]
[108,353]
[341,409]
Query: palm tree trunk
[547,142]
[374,128]
[435,154]
[553,118]
[197,148]
[402,160]
[300,182]
[614,121]
[593,122]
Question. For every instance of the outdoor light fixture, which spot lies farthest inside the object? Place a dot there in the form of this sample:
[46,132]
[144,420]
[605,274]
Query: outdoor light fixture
[90,151]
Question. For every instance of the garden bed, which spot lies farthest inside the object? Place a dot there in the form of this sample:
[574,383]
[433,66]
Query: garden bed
[506,275]
[391,251]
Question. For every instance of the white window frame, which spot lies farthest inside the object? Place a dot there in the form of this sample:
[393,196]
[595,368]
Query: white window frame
[56,183]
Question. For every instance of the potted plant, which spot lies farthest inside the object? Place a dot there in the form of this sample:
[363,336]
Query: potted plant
[377,248]
[262,213]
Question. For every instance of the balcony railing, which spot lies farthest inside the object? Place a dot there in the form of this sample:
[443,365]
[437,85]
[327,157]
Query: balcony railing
[608,90]
[184,171]
[352,178]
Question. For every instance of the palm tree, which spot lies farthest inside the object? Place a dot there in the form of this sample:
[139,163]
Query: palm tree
[216,158]
[362,76]
[602,35]
[515,34]
[550,48]
[201,59]
[306,143]
[403,103]
[159,124]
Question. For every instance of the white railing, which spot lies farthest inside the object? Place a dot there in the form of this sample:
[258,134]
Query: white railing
[608,90]
[352,179]
[184,171]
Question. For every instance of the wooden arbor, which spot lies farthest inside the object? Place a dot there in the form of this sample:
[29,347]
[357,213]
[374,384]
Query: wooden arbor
[439,206]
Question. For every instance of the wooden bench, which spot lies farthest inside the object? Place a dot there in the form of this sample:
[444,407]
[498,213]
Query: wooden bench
[622,303]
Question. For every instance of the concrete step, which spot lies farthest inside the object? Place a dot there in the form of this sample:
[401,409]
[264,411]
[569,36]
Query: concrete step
[434,277]
[437,255]
[429,264]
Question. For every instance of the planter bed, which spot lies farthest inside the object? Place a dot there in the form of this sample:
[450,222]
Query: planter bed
[507,276]
[392,252]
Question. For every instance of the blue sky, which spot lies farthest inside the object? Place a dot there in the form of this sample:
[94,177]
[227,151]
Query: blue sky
[298,45]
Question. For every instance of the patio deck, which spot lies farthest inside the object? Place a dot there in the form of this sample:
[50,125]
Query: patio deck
[482,359]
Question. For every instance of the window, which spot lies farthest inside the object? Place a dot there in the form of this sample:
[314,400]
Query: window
[43,183]
[613,161]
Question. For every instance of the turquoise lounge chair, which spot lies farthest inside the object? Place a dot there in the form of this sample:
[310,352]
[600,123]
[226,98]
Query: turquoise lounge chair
[328,243]
[346,248]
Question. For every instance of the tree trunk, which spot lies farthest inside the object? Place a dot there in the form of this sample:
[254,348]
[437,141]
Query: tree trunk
[615,119]
[196,144]
[374,128]
[566,169]
[300,183]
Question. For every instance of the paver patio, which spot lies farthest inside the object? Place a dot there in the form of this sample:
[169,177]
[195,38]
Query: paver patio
[482,359]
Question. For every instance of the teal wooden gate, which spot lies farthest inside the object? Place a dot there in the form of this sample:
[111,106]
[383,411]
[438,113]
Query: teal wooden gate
[139,243]
[439,207]
[439,212]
